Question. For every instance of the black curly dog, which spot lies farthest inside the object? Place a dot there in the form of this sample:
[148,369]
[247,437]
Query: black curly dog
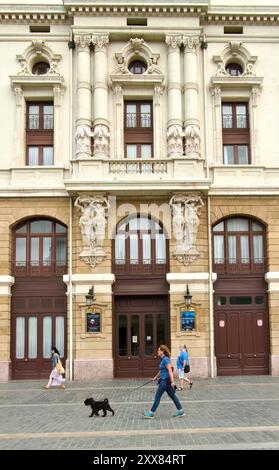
[96,406]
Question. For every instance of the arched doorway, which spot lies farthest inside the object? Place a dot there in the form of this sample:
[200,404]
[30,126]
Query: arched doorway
[141,314]
[240,301]
[39,306]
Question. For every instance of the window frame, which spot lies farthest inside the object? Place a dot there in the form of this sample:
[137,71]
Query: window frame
[239,266]
[39,137]
[138,135]
[236,136]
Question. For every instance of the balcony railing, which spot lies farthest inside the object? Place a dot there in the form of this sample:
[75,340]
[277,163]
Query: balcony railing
[234,265]
[138,167]
[135,266]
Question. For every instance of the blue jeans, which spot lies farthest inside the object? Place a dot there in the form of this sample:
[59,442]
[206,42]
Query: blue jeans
[165,386]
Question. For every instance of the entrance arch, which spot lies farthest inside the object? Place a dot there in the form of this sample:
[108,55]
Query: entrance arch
[141,314]
[39,306]
[241,320]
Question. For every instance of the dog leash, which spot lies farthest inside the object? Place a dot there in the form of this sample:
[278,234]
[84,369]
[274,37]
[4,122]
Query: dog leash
[142,385]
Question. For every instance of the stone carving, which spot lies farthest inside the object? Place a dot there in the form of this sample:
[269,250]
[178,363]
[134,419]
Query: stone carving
[92,224]
[191,42]
[38,51]
[173,41]
[192,141]
[101,140]
[100,42]
[83,140]
[83,40]
[235,52]
[174,139]
[185,222]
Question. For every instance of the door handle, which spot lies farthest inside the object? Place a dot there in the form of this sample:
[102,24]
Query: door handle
[255,355]
[154,357]
[25,360]
[129,357]
[229,355]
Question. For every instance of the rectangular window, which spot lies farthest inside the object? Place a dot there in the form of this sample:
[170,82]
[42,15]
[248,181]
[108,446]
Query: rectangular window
[39,133]
[236,135]
[138,134]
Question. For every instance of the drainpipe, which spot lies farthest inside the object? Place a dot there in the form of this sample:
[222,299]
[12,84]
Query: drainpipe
[71,287]
[210,283]
[71,48]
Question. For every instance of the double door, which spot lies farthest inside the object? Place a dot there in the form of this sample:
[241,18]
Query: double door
[241,334]
[141,325]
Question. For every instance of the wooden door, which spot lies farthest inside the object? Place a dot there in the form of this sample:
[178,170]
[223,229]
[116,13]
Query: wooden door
[241,334]
[141,325]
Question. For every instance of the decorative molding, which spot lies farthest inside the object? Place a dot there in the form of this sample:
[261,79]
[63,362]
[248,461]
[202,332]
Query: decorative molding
[190,43]
[83,141]
[175,140]
[192,141]
[137,48]
[6,283]
[185,221]
[173,41]
[235,52]
[101,136]
[37,51]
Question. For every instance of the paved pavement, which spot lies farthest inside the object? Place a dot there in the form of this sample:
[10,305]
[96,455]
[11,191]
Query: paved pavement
[223,413]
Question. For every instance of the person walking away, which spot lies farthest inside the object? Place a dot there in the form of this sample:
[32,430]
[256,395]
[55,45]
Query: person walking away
[165,384]
[180,364]
[55,378]
[187,368]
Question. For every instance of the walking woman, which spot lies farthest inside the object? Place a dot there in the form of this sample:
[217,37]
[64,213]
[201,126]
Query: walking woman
[165,384]
[55,378]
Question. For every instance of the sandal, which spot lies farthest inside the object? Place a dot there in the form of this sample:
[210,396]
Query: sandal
[191,384]
[179,389]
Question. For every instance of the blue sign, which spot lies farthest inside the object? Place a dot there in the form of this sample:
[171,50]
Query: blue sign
[187,320]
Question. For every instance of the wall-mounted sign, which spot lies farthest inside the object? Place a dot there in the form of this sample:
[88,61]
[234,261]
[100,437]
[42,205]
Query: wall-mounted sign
[187,320]
[134,339]
[93,322]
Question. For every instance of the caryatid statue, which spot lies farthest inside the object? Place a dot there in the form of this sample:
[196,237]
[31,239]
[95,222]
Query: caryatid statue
[185,222]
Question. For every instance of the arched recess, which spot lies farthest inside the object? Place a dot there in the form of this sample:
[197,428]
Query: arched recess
[39,305]
[241,319]
[140,310]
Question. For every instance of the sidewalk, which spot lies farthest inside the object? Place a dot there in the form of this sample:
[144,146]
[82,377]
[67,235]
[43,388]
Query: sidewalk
[222,413]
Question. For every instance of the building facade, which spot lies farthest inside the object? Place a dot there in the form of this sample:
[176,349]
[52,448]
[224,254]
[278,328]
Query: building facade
[139,157]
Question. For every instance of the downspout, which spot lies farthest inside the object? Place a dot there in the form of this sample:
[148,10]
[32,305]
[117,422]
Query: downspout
[210,281]
[71,210]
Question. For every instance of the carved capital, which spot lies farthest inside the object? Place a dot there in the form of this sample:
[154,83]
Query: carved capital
[190,43]
[83,41]
[100,42]
[173,41]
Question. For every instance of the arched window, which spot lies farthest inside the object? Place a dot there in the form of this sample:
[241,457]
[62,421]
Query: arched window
[234,69]
[239,246]
[40,248]
[40,68]
[137,67]
[140,246]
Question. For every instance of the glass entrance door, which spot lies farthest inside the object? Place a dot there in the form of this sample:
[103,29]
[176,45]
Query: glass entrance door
[138,337]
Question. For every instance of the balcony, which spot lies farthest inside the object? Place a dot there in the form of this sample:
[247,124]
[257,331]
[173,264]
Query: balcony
[109,174]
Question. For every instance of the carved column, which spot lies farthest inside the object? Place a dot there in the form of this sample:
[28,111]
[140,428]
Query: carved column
[191,96]
[174,132]
[20,127]
[100,111]
[118,121]
[57,131]
[255,144]
[83,120]
[217,123]
[157,122]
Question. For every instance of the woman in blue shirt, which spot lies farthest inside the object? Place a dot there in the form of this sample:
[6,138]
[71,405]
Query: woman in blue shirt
[165,384]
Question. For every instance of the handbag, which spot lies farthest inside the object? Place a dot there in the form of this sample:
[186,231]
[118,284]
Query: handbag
[60,369]
[187,368]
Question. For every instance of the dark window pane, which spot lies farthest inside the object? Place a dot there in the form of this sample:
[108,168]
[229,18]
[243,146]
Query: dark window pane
[60,228]
[41,226]
[135,335]
[234,69]
[22,229]
[259,299]
[40,68]
[221,301]
[240,300]
[137,67]
[161,330]
[123,351]
[148,339]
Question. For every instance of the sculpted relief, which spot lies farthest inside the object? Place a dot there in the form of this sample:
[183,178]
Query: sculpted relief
[92,224]
[185,223]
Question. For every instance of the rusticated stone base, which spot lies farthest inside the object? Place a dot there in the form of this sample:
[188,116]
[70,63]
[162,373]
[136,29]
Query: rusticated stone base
[5,371]
[93,368]
[274,365]
[200,366]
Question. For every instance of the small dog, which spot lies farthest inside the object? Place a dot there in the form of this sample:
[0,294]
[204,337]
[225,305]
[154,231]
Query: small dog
[96,406]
